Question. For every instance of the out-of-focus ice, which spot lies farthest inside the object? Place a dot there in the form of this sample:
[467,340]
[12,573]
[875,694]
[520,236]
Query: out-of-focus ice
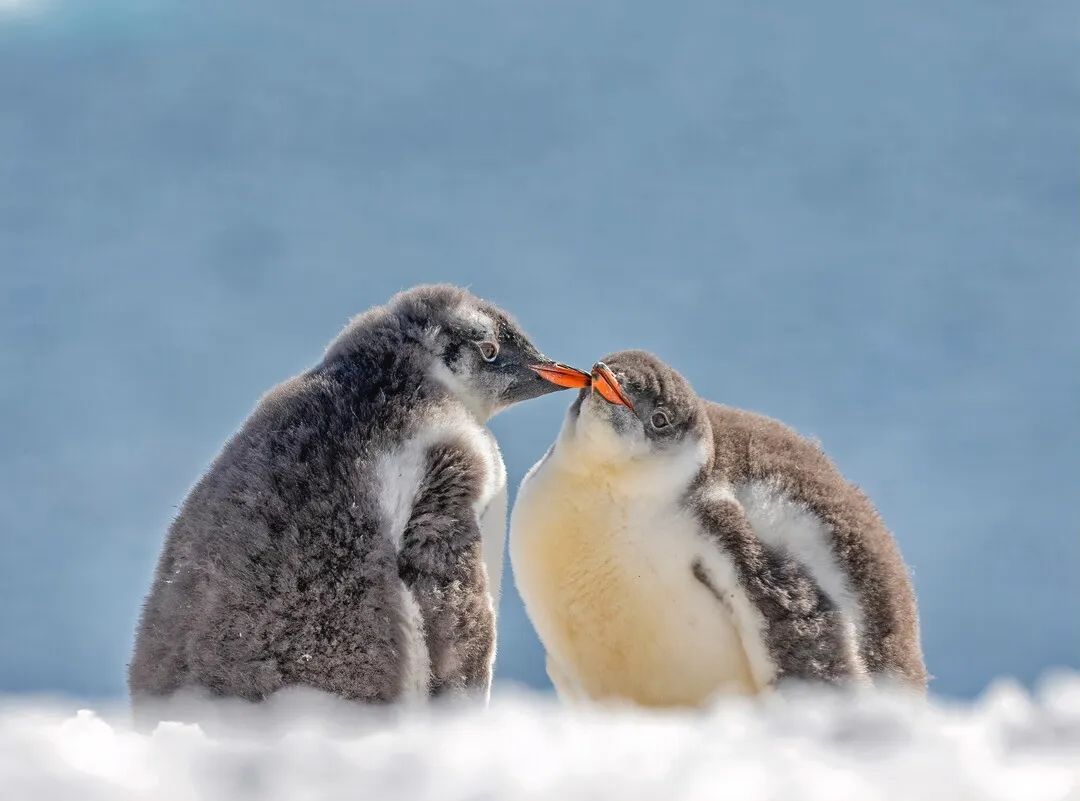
[810,746]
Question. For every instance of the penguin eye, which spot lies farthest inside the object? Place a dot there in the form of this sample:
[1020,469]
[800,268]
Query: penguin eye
[489,350]
[660,419]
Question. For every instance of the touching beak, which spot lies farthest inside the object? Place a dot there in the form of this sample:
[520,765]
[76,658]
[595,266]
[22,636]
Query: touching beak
[561,375]
[605,382]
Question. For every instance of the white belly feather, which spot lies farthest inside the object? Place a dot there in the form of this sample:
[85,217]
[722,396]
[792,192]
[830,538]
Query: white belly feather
[493,536]
[400,473]
[607,580]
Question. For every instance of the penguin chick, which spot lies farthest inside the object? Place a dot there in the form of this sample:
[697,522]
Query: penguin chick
[349,537]
[669,549]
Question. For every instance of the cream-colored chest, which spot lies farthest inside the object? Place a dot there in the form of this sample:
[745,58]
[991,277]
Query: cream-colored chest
[607,578]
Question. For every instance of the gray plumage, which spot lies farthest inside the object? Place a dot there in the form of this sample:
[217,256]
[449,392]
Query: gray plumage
[287,564]
[805,629]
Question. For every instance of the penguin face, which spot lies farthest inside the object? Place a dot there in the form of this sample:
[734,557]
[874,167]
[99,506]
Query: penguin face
[471,347]
[638,407]
[489,361]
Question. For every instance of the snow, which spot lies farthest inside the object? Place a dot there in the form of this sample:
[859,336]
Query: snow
[808,745]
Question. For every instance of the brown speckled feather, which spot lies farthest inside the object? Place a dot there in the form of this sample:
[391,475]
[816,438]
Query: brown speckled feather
[752,447]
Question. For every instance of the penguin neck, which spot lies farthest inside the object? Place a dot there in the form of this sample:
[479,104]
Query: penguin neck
[480,408]
[668,475]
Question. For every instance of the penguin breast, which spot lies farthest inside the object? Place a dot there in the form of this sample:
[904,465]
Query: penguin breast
[607,577]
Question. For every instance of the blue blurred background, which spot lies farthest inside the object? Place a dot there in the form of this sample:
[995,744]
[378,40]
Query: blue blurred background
[862,218]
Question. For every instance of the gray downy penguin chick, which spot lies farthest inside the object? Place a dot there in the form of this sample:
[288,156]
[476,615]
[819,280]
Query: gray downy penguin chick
[669,549]
[350,536]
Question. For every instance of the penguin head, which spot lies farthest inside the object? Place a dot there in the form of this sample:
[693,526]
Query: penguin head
[638,409]
[480,353]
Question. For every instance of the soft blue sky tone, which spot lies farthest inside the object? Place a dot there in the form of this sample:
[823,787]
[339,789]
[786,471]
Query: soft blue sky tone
[861,218]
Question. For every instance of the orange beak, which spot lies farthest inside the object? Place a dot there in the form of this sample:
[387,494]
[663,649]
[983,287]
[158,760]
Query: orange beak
[605,382]
[562,375]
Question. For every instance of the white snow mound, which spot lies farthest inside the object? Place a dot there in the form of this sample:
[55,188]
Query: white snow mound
[807,746]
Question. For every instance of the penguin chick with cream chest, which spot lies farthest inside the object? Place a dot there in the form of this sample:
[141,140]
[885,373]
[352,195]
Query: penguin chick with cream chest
[669,549]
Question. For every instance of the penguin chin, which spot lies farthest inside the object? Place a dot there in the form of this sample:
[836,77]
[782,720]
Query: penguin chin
[600,432]
[477,399]
[600,436]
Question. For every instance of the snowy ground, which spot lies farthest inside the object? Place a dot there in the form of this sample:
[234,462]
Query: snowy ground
[1009,745]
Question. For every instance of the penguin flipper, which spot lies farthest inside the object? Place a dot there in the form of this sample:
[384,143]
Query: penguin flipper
[441,564]
[790,628]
